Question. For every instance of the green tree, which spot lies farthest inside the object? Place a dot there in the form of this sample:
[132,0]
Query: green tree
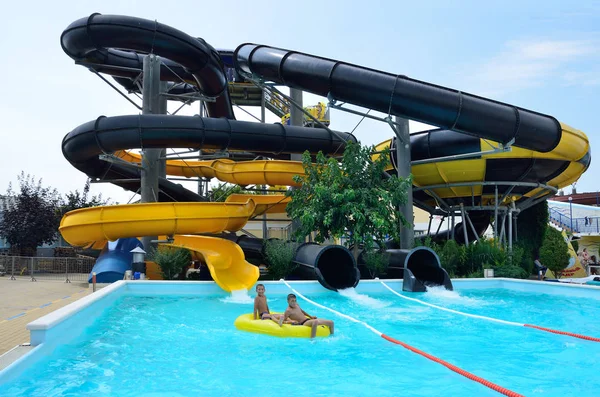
[351,197]
[172,261]
[224,190]
[31,216]
[279,256]
[75,200]
[377,262]
[554,253]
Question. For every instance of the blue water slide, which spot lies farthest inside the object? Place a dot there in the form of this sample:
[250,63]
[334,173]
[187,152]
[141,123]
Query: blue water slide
[114,260]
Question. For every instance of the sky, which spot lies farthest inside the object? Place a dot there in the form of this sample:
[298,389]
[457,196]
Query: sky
[544,58]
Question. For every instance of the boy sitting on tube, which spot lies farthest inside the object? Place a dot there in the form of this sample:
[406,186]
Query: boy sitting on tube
[261,307]
[300,317]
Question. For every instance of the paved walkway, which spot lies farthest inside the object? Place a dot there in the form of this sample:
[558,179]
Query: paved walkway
[22,301]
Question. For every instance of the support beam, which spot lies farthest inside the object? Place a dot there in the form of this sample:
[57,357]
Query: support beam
[407,233]
[510,231]
[429,225]
[440,225]
[468,218]
[162,109]
[464,224]
[265,228]
[201,191]
[296,118]
[502,228]
[496,214]
[151,104]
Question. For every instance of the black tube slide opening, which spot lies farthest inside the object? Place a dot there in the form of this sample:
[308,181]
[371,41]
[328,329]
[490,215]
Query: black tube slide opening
[332,265]
[422,269]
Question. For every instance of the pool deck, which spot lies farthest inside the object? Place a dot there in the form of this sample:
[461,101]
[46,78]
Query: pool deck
[22,301]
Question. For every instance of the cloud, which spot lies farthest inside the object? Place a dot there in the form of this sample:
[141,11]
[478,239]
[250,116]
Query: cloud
[532,63]
[590,78]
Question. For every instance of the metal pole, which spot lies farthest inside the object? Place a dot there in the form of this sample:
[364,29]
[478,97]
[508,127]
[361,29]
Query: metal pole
[265,228]
[262,106]
[32,277]
[151,104]
[12,272]
[496,215]
[200,180]
[571,212]
[162,109]
[510,231]
[296,118]
[429,226]
[516,227]
[67,271]
[502,228]
[440,225]
[452,227]
[402,130]
[464,224]
[472,226]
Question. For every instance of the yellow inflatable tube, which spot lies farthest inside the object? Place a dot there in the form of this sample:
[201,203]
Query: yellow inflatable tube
[246,322]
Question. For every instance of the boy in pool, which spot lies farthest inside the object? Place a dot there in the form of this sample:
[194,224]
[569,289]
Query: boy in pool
[261,307]
[295,313]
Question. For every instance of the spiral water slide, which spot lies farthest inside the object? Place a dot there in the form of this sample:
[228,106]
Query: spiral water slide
[546,150]
[92,42]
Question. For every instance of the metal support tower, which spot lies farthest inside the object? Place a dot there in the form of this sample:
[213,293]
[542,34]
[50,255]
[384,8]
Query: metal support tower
[402,131]
[296,118]
[201,180]
[151,104]
[265,228]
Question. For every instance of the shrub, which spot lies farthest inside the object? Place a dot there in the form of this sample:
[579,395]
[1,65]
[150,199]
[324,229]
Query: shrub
[452,256]
[279,256]
[171,261]
[376,262]
[554,253]
[510,271]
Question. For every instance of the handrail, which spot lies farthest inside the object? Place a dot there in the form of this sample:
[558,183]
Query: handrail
[587,224]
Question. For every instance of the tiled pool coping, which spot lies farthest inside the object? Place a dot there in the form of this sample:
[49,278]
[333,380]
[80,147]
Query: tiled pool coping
[63,324]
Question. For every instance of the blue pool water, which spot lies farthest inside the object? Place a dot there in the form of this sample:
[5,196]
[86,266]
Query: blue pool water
[187,346]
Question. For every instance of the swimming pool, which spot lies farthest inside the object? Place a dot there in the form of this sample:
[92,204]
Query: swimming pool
[173,339]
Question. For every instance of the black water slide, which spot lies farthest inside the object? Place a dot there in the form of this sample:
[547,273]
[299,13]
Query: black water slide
[332,265]
[400,96]
[92,42]
[98,42]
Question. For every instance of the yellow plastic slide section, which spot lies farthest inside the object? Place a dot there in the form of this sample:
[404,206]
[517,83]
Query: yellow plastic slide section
[259,172]
[85,226]
[225,260]
[265,203]
[573,146]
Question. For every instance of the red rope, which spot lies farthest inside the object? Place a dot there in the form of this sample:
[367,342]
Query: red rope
[554,331]
[454,368]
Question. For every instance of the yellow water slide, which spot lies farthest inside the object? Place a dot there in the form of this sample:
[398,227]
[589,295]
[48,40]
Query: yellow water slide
[225,260]
[572,150]
[95,226]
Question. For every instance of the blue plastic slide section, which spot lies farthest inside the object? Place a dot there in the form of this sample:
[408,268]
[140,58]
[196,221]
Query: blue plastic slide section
[114,260]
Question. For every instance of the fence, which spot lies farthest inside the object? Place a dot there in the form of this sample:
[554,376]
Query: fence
[576,225]
[63,269]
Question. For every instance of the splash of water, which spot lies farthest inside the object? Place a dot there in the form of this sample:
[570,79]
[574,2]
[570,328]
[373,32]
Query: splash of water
[239,296]
[441,294]
[362,299]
